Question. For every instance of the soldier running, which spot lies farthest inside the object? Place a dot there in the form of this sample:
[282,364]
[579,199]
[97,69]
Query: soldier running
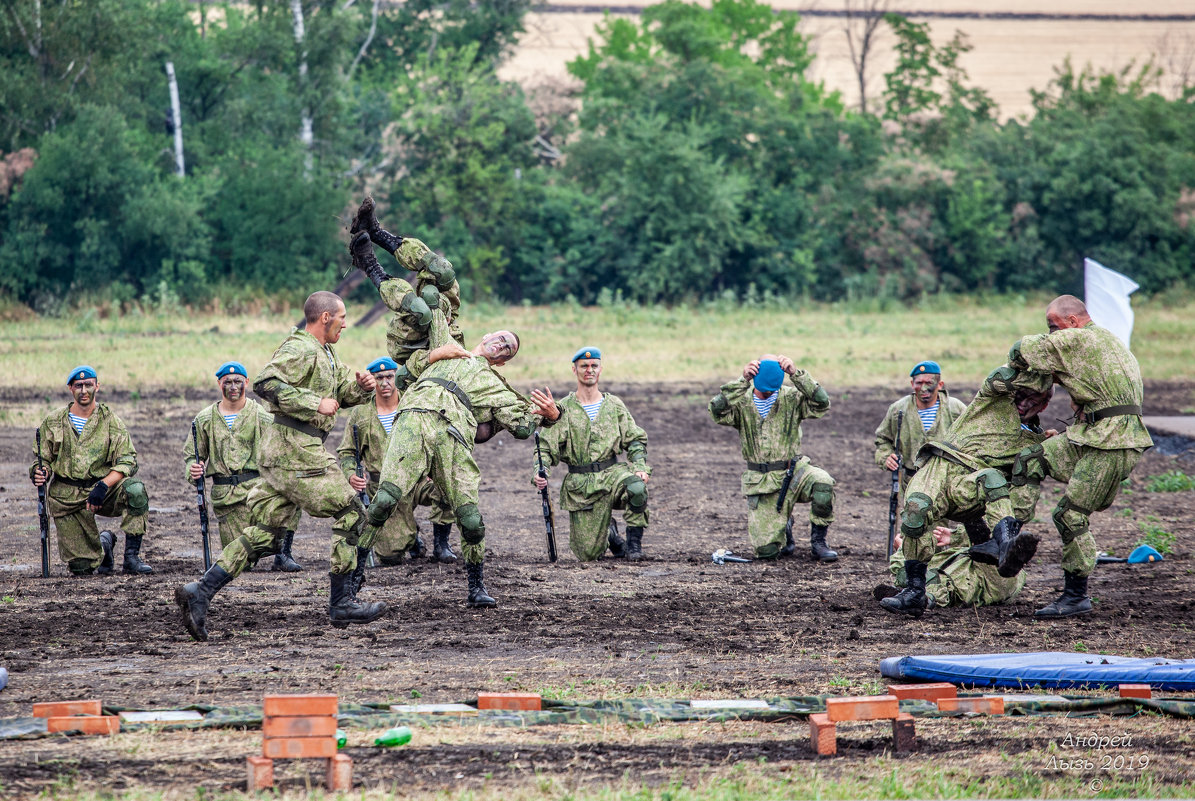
[768,417]
[89,460]
[595,427]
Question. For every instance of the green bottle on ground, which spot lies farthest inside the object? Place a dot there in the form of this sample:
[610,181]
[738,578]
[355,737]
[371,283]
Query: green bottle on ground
[399,735]
[342,739]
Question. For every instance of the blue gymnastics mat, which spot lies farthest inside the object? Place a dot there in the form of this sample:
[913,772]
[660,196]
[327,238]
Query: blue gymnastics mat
[1044,669]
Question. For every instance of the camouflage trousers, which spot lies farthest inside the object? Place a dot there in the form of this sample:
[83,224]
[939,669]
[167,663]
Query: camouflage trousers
[233,519]
[955,492]
[422,446]
[398,532]
[78,534]
[766,525]
[588,528]
[1092,478]
[276,500]
[954,579]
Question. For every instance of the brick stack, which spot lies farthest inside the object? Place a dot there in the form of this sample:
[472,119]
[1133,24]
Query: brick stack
[299,727]
[82,716]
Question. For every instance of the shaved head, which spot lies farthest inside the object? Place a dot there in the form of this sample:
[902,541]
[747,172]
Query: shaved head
[1066,306]
[319,302]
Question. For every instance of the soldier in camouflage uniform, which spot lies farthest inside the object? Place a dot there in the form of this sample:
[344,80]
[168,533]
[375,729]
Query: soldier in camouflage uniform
[400,534]
[1102,447]
[229,432]
[90,463]
[964,477]
[768,417]
[928,412]
[435,287]
[953,577]
[304,385]
[595,427]
[436,429]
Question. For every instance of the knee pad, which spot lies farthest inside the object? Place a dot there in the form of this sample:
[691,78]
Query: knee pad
[431,296]
[913,521]
[1070,520]
[383,503]
[719,404]
[1000,380]
[820,396]
[417,308]
[441,268]
[1030,466]
[991,484]
[403,377]
[468,520]
[636,493]
[822,499]
[351,520]
[138,499]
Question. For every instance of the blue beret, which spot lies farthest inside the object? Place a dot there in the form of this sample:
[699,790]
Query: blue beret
[587,353]
[81,372]
[229,368]
[1144,553]
[770,376]
[924,368]
[384,363]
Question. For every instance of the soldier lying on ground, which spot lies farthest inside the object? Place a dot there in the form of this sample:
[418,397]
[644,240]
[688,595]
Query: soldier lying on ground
[953,577]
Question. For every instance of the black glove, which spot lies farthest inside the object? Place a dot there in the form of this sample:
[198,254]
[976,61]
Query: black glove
[97,494]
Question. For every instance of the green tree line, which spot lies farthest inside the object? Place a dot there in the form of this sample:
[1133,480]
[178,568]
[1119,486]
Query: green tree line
[693,158]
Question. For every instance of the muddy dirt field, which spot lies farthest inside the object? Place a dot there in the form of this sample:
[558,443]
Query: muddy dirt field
[673,625]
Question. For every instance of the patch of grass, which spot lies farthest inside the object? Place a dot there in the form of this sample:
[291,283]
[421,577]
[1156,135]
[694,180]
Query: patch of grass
[1159,538]
[1172,481]
[1125,512]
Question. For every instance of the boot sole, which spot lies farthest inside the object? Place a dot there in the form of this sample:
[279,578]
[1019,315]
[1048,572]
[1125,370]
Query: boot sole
[344,624]
[897,611]
[1056,616]
[1022,550]
[480,605]
[184,603]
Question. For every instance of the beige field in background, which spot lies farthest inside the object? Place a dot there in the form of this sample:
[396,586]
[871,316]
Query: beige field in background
[1010,57]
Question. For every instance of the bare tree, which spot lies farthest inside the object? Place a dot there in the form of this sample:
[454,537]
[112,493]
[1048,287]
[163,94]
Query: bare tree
[862,25]
[1175,54]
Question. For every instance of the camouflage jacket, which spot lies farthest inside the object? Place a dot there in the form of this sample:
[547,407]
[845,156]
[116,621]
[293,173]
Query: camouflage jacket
[912,435]
[226,451]
[989,432]
[103,446]
[776,438]
[374,441]
[299,375]
[1098,371]
[405,341]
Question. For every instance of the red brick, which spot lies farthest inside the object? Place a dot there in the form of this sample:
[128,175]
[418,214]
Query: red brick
[822,735]
[320,726]
[299,747]
[299,705]
[339,774]
[59,709]
[867,707]
[986,705]
[923,692]
[904,737]
[260,773]
[509,701]
[88,724]
[1136,691]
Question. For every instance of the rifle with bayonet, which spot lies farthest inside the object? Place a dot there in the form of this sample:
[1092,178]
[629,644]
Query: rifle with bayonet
[43,519]
[202,502]
[549,518]
[893,500]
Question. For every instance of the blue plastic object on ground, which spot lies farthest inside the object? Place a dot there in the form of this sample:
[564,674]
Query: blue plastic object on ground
[1044,669]
[3,678]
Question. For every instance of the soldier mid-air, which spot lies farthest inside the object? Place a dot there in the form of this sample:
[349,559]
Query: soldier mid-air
[768,415]
[228,434]
[88,457]
[1099,450]
[304,384]
[595,427]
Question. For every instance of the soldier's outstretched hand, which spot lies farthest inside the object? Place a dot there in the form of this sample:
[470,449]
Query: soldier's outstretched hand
[545,405]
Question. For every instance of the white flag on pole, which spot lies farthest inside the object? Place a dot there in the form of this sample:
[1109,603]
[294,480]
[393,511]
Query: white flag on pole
[1108,298]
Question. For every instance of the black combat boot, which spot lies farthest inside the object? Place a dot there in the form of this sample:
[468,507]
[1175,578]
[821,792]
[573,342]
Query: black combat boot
[478,597]
[193,599]
[108,543]
[790,545]
[1008,549]
[440,550]
[417,549]
[1073,601]
[634,543]
[357,576]
[366,220]
[977,530]
[283,561]
[911,600]
[365,260]
[343,607]
[132,557]
[817,544]
[617,545]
